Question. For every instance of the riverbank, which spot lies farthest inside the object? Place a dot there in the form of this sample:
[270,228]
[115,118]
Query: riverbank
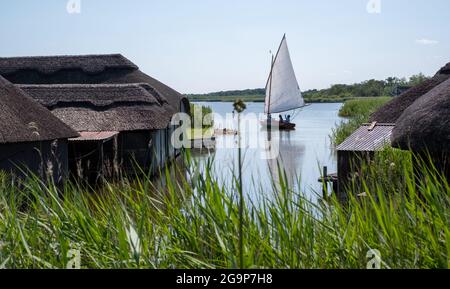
[261,98]
[334,94]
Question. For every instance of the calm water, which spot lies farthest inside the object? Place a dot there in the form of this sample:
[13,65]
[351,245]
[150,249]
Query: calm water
[302,153]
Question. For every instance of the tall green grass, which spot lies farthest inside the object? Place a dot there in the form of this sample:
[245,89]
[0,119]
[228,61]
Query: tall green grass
[191,220]
[358,112]
[362,106]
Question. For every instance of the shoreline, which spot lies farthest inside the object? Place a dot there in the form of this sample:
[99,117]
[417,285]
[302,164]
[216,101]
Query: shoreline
[262,101]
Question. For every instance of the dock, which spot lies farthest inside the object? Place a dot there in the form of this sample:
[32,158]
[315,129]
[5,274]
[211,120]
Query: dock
[208,143]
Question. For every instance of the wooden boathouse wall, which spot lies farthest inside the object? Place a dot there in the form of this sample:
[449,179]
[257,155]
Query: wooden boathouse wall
[46,159]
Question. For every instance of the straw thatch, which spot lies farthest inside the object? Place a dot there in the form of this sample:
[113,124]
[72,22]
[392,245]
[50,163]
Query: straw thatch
[101,95]
[123,107]
[92,64]
[445,69]
[425,125]
[390,112]
[88,69]
[24,120]
[173,97]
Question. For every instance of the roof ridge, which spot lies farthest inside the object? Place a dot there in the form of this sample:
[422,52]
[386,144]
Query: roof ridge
[65,56]
[81,85]
[91,64]
[19,111]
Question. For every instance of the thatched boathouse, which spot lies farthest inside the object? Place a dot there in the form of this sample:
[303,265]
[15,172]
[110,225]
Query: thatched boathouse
[121,113]
[122,126]
[418,120]
[424,128]
[32,139]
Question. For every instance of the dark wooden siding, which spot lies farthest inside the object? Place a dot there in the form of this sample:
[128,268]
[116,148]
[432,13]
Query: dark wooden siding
[47,159]
[135,150]
[349,164]
[91,160]
[150,150]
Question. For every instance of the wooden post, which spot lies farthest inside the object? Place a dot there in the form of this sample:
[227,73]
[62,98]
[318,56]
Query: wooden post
[239,107]
[116,157]
[325,182]
[241,198]
[101,161]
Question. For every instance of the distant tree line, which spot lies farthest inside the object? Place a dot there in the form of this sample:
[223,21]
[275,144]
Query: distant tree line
[369,88]
[338,92]
[256,91]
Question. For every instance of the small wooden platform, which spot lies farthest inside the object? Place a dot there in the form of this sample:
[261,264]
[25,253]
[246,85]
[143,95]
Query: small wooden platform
[204,143]
[329,178]
[225,131]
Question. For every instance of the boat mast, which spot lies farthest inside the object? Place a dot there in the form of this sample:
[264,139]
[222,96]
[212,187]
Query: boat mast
[270,88]
[271,74]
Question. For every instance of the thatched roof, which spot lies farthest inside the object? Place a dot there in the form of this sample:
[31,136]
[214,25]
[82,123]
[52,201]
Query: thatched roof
[173,97]
[425,125]
[390,112]
[95,108]
[99,95]
[24,120]
[92,64]
[445,69]
[88,69]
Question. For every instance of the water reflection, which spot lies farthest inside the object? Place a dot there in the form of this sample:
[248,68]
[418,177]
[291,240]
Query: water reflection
[302,153]
[288,162]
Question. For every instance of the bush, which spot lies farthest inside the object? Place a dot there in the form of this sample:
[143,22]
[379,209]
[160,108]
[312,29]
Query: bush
[201,116]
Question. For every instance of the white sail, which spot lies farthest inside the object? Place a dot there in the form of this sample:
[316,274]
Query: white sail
[282,90]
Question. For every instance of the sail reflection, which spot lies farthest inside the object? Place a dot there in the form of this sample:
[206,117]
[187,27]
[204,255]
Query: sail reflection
[286,166]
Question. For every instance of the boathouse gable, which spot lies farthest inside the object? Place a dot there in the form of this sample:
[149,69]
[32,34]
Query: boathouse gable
[32,139]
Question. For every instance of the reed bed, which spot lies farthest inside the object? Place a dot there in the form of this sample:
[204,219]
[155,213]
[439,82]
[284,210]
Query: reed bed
[191,220]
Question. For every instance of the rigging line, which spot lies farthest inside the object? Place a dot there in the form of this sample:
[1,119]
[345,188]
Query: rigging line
[276,56]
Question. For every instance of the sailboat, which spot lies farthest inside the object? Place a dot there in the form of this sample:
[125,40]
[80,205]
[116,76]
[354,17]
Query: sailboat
[282,90]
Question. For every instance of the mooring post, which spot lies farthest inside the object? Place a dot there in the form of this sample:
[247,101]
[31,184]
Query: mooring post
[239,107]
[325,182]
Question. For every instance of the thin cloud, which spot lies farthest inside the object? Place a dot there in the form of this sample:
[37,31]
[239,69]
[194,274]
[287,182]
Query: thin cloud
[425,41]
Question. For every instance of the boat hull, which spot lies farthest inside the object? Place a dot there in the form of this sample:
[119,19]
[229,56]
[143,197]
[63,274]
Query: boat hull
[281,126]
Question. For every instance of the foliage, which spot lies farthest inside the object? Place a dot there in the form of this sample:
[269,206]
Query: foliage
[201,116]
[336,93]
[363,107]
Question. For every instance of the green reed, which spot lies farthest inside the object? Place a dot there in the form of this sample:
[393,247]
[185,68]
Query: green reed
[191,220]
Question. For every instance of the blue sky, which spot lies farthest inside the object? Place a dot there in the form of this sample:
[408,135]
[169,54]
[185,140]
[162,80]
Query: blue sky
[198,46]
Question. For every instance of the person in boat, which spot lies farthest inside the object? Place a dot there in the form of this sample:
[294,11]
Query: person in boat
[281,119]
[288,119]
